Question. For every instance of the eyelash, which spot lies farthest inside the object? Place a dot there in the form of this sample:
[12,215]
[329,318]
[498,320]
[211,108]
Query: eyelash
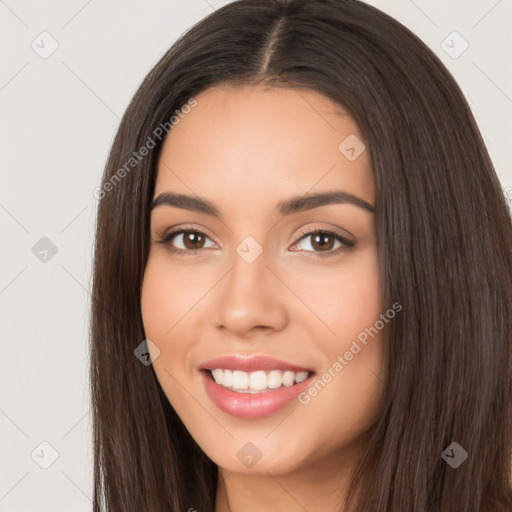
[346,243]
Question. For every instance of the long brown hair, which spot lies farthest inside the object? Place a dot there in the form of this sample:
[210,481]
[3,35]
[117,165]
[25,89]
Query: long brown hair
[444,237]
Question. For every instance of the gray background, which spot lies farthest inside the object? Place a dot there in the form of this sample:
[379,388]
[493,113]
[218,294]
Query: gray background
[59,115]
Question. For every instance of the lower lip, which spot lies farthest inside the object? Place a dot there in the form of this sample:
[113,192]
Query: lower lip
[252,405]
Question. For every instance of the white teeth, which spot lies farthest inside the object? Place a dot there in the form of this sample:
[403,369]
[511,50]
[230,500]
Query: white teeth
[217,374]
[301,376]
[288,378]
[227,377]
[259,380]
[275,379]
[240,380]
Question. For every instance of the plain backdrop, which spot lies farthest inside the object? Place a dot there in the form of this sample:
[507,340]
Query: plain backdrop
[68,72]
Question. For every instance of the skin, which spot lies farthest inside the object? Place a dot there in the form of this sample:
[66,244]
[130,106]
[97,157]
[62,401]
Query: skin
[244,150]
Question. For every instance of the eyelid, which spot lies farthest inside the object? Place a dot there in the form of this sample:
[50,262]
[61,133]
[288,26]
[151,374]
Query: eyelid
[179,228]
[336,231]
[346,242]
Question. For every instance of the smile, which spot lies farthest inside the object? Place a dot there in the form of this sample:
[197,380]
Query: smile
[258,381]
[253,387]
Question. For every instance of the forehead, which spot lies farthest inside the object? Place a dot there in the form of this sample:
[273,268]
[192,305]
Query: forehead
[253,145]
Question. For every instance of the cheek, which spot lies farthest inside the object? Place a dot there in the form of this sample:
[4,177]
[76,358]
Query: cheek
[163,304]
[347,300]
[156,303]
[167,295]
[172,309]
[352,354]
[359,301]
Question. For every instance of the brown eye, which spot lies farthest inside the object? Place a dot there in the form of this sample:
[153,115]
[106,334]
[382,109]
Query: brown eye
[322,242]
[191,241]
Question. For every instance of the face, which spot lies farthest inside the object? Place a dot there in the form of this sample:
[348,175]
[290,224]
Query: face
[245,276]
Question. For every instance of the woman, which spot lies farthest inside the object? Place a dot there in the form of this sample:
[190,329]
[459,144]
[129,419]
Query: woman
[302,276]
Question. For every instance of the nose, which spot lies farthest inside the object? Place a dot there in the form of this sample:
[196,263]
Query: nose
[251,299]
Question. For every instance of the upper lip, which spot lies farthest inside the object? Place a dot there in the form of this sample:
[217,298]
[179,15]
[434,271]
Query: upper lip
[248,364]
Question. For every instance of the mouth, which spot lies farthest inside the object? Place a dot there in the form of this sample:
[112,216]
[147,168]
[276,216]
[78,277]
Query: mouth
[256,394]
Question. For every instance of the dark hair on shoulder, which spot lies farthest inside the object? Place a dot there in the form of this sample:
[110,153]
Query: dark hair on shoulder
[444,236]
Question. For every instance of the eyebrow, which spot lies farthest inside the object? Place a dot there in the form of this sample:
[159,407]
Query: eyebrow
[289,206]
